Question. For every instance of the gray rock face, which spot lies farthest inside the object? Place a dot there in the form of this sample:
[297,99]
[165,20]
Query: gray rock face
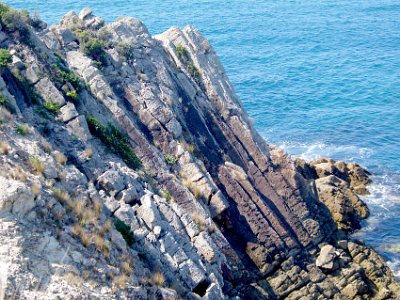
[212,212]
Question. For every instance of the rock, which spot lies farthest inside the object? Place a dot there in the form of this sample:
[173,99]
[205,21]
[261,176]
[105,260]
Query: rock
[85,13]
[111,181]
[346,207]
[166,294]
[15,198]
[128,196]
[148,211]
[49,92]
[326,258]
[78,128]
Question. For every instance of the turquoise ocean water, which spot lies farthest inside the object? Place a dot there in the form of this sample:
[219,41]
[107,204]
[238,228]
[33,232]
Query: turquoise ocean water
[318,77]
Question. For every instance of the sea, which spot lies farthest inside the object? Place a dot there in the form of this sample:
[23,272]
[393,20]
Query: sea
[319,78]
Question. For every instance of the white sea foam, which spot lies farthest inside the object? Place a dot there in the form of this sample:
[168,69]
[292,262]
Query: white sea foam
[315,150]
[394,265]
[380,229]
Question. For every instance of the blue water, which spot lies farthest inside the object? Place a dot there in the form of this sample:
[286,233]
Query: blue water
[318,77]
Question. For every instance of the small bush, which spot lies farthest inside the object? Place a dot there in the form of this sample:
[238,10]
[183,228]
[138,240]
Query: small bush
[60,158]
[15,21]
[37,165]
[158,279]
[73,95]
[4,148]
[114,139]
[5,58]
[92,46]
[52,107]
[194,72]
[168,196]
[22,130]
[170,159]
[64,75]
[4,102]
[182,53]
[88,153]
[126,232]
[62,196]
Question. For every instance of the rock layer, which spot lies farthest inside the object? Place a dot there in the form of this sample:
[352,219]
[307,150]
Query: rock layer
[212,211]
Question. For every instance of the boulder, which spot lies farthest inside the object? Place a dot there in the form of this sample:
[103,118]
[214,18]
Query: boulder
[15,198]
[326,259]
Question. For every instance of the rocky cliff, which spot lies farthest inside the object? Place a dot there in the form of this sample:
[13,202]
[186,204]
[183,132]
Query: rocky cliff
[130,170]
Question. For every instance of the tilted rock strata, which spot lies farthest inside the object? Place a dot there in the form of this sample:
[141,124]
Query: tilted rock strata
[214,212]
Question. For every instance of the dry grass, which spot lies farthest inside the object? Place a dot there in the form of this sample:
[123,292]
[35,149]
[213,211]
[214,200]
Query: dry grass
[19,174]
[5,114]
[99,243]
[198,220]
[120,281]
[47,147]
[86,275]
[49,183]
[190,148]
[192,188]
[62,196]
[89,216]
[85,238]
[106,227]
[98,207]
[88,153]
[158,279]
[77,230]
[126,266]
[78,207]
[4,148]
[36,189]
[60,158]
[37,165]
[170,102]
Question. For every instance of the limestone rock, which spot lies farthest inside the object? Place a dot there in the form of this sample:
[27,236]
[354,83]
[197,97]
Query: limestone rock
[326,258]
[15,198]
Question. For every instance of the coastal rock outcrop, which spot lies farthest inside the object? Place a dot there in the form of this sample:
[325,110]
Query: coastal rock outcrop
[130,170]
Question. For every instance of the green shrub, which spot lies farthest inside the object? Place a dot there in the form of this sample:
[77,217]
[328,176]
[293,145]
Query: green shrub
[182,53]
[52,107]
[5,58]
[4,102]
[194,72]
[15,21]
[114,139]
[167,196]
[73,95]
[22,129]
[65,75]
[170,159]
[92,46]
[125,231]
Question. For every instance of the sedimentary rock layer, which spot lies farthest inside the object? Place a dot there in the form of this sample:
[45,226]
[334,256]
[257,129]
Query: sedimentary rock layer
[129,169]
